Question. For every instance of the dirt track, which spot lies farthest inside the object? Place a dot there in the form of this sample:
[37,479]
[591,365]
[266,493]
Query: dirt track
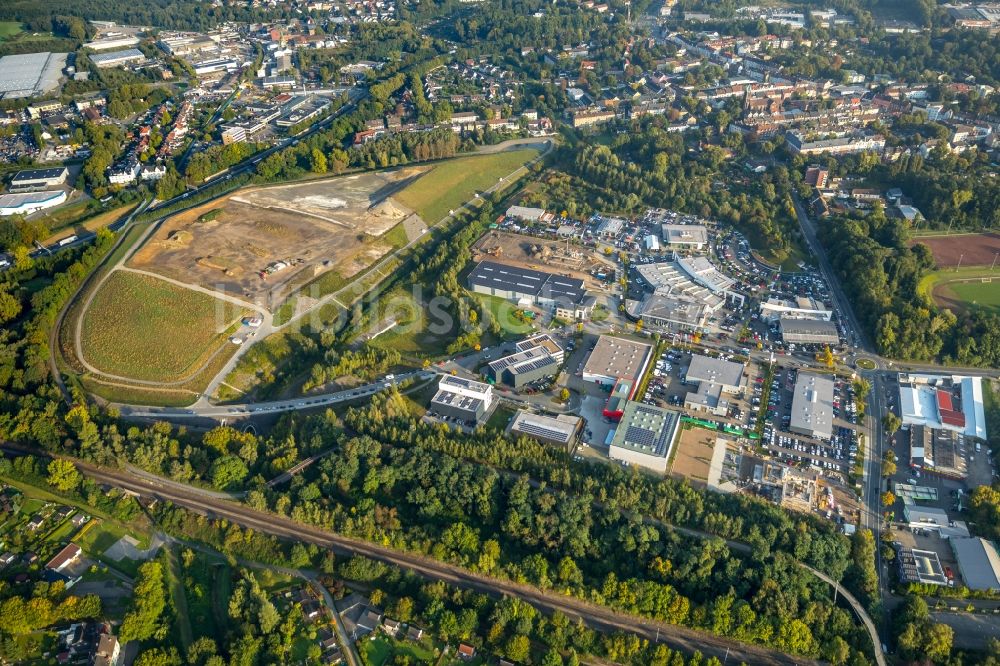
[970,249]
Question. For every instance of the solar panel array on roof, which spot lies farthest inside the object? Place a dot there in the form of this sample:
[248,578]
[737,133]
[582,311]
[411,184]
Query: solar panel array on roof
[526,282]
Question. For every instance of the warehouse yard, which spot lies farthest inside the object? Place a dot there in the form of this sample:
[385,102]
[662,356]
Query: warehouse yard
[258,243]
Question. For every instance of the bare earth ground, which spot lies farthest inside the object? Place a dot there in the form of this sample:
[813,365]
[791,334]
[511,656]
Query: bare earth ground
[972,249]
[693,457]
[540,255]
[317,226]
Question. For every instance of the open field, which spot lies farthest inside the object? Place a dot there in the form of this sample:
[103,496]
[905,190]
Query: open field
[142,327]
[9,29]
[452,183]
[340,226]
[964,288]
[416,330]
[504,311]
[970,249]
[61,229]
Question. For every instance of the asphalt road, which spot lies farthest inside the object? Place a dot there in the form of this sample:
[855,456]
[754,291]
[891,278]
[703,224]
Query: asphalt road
[274,406]
[597,617]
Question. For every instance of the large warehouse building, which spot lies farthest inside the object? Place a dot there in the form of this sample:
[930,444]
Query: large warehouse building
[812,406]
[802,307]
[32,180]
[117,58]
[532,288]
[808,331]
[30,202]
[978,563]
[30,74]
[645,436]
[616,358]
[949,402]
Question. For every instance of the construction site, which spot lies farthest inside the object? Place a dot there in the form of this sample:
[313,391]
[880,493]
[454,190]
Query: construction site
[259,243]
[555,256]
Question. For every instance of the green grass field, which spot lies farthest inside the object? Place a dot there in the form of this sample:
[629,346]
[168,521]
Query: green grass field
[379,651]
[412,334]
[504,312]
[965,288]
[142,327]
[454,182]
[9,29]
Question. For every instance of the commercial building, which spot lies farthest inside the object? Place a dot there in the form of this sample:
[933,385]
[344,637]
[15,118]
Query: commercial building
[523,367]
[668,313]
[727,374]
[645,436]
[812,406]
[808,331]
[463,399]
[920,566]
[215,65]
[529,214]
[716,378]
[925,517]
[685,236]
[30,74]
[978,563]
[30,202]
[614,358]
[703,272]
[32,180]
[941,451]
[803,307]
[529,287]
[620,394]
[118,58]
[112,43]
[560,430]
[948,402]
[667,279]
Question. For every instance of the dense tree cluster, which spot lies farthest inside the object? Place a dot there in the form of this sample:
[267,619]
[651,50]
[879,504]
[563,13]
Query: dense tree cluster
[364,364]
[881,272]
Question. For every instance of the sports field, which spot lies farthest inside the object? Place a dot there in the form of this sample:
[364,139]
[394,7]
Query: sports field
[963,249]
[964,289]
[141,327]
[452,183]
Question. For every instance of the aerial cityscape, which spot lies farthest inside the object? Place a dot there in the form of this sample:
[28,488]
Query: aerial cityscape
[499,332]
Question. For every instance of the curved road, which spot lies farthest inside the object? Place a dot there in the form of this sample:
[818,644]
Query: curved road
[598,617]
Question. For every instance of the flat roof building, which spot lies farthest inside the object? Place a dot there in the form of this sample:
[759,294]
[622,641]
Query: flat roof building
[808,331]
[669,313]
[950,402]
[925,516]
[29,74]
[920,566]
[685,235]
[560,430]
[802,307]
[463,399]
[530,287]
[616,358]
[31,180]
[117,58]
[523,367]
[667,279]
[939,450]
[30,202]
[645,436]
[812,406]
[727,374]
[978,563]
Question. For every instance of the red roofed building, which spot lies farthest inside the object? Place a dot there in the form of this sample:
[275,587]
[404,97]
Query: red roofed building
[949,415]
[64,558]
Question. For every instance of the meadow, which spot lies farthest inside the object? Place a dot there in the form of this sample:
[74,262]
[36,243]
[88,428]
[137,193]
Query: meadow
[452,183]
[141,327]
[964,288]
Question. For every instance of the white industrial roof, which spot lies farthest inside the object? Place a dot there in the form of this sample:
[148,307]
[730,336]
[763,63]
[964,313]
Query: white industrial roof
[30,73]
